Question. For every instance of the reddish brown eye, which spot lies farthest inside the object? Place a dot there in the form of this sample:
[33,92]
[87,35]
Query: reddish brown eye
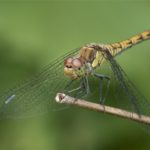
[68,62]
[77,63]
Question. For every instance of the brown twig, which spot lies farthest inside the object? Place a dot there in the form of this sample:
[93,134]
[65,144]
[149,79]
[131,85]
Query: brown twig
[62,98]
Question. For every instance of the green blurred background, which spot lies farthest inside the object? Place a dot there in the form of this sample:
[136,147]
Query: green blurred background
[33,33]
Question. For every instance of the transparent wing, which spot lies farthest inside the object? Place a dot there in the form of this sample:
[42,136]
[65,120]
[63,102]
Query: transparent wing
[36,95]
[138,102]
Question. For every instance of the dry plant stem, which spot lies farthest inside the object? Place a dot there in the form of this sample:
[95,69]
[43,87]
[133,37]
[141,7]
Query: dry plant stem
[62,98]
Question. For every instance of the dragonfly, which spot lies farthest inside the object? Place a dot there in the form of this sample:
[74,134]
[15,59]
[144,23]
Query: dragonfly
[70,73]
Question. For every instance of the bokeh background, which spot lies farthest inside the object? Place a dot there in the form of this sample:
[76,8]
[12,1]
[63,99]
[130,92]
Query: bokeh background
[32,33]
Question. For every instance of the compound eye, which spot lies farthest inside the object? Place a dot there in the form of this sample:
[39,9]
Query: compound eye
[68,62]
[77,63]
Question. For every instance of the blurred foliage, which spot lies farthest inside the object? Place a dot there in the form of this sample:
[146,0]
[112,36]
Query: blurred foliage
[32,33]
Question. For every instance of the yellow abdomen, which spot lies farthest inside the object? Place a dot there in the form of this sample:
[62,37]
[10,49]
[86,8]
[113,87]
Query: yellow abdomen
[92,53]
[117,48]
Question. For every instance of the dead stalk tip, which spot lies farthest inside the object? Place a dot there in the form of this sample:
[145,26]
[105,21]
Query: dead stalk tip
[59,97]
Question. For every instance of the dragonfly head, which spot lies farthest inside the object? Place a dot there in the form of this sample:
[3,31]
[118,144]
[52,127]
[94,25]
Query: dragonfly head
[74,68]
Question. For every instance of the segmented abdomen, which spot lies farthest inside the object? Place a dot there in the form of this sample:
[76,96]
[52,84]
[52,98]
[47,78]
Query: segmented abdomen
[118,47]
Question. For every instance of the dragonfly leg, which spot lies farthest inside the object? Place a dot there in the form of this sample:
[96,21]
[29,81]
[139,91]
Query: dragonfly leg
[107,89]
[85,85]
[66,89]
[84,88]
[101,77]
